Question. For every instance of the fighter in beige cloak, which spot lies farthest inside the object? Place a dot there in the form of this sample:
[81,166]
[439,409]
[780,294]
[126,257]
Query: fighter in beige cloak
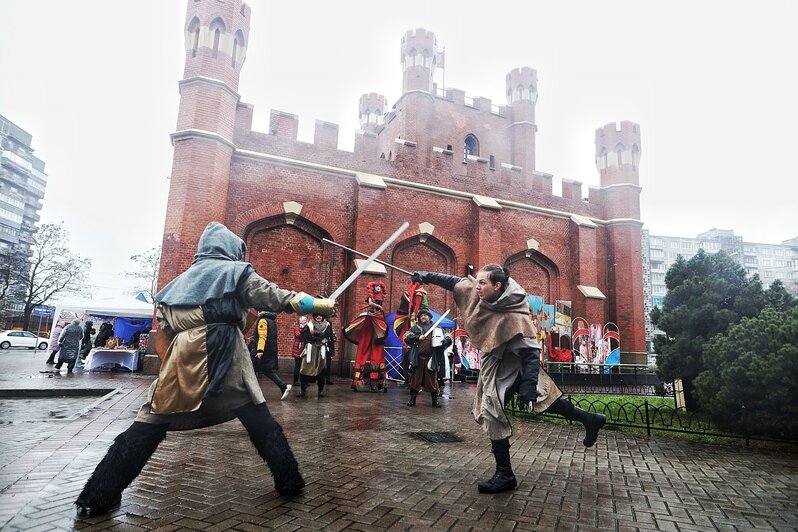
[494,310]
[206,376]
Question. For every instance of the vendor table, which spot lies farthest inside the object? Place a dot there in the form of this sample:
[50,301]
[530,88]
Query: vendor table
[128,358]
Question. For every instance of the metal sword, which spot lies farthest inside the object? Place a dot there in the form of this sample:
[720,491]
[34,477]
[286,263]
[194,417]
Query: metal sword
[369,260]
[378,261]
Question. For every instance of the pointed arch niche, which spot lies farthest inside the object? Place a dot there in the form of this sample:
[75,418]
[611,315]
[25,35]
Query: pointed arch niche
[294,257]
[536,273]
[427,253]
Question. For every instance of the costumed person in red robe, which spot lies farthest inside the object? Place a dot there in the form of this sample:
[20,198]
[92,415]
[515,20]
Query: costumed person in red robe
[413,300]
[206,376]
[368,330]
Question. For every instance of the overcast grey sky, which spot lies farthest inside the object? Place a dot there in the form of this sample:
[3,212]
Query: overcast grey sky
[713,85]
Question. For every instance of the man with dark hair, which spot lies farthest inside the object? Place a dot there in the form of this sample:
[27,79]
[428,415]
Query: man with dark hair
[206,377]
[494,311]
[423,359]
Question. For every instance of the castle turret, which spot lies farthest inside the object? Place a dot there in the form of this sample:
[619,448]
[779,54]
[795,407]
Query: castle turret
[618,153]
[216,37]
[522,94]
[617,159]
[419,57]
[371,111]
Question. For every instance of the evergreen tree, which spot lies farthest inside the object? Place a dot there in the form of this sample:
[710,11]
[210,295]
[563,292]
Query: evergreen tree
[754,365]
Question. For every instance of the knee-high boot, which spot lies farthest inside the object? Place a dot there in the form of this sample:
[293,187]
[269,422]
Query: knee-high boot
[503,479]
[592,422]
[413,395]
[268,438]
[435,402]
[122,463]
[530,367]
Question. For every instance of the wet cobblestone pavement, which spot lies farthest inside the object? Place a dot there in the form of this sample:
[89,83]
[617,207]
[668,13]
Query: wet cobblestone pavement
[367,470]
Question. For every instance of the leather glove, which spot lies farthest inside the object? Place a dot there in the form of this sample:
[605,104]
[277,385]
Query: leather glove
[419,277]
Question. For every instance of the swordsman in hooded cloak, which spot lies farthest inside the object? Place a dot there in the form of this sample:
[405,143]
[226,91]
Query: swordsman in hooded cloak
[206,376]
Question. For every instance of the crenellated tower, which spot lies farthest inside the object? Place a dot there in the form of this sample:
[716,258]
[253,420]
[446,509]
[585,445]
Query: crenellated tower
[418,57]
[522,95]
[216,37]
[618,160]
[371,111]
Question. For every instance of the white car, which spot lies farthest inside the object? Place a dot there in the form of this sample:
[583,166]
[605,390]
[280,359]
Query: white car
[10,339]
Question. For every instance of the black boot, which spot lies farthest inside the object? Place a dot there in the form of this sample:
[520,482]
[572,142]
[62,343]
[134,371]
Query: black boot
[413,394]
[503,479]
[530,368]
[122,463]
[303,388]
[268,438]
[435,402]
[592,422]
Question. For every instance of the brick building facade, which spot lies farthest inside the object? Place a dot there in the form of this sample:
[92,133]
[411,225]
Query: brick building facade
[462,171]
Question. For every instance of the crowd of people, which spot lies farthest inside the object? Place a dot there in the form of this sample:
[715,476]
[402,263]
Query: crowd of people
[72,344]
[209,372]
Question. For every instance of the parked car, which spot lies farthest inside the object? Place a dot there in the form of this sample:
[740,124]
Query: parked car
[10,339]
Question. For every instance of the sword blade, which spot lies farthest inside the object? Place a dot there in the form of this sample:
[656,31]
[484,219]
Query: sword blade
[439,320]
[368,261]
[378,261]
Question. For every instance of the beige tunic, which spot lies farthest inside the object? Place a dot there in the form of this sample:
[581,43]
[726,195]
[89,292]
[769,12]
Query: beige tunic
[501,332]
[176,397]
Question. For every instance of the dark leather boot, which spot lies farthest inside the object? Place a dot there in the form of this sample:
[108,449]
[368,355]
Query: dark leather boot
[413,395]
[530,368]
[122,463]
[592,422]
[268,438]
[435,402]
[503,479]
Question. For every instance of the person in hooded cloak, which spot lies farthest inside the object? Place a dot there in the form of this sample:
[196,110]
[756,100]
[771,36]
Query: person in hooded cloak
[206,376]
[495,312]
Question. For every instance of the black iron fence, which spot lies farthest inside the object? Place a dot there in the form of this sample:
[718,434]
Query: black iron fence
[651,417]
[619,379]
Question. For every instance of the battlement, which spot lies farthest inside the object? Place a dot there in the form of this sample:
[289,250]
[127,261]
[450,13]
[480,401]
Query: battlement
[419,39]
[522,85]
[618,144]
[371,110]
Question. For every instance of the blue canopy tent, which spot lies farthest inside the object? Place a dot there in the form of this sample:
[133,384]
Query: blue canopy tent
[393,345]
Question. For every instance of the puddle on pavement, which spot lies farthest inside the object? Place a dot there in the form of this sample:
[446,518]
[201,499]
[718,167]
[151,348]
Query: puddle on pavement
[42,408]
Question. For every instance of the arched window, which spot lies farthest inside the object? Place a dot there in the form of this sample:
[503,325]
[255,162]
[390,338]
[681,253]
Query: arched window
[238,43]
[470,147]
[412,57]
[635,156]
[193,36]
[619,149]
[427,59]
[602,159]
[217,29]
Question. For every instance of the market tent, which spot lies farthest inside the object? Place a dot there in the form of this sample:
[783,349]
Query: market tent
[128,313]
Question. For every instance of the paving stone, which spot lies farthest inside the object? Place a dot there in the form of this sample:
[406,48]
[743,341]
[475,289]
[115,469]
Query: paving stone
[366,471]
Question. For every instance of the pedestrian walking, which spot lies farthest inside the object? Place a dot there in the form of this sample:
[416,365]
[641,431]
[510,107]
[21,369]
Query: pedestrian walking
[264,351]
[69,345]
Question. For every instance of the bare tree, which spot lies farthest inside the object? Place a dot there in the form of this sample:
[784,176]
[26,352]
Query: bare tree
[148,265]
[54,269]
